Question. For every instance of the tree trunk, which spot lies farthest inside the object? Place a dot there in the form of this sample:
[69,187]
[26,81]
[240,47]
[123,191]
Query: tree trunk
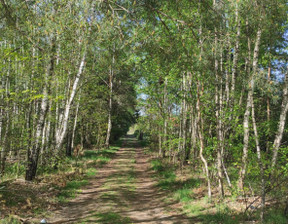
[218,102]
[75,122]
[62,130]
[33,153]
[236,53]
[263,195]
[247,111]
[165,117]
[201,139]
[4,143]
[109,126]
[282,121]
[68,145]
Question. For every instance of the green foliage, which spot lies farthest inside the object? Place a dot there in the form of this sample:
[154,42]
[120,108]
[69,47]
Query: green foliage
[70,190]
[222,216]
[10,220]
[182,190]
[91,172]
[175,60]
[13,170]
[275,217]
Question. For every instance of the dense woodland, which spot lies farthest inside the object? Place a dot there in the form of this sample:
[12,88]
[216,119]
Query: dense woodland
[205,81]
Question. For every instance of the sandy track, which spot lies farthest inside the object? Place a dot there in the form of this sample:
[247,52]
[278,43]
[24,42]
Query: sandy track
[123,191]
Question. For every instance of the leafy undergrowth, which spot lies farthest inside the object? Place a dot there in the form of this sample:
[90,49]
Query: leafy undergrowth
[70,190]
[180,189]
[19,198]
[191,193]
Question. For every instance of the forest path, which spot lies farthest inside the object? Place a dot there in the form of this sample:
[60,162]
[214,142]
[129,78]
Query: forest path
[122,191]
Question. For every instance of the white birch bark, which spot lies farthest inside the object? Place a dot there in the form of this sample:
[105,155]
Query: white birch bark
[165,116]
[75,121]
[263,196]
[4,148]
[109,126]
[62,130]
[282,122]
[201,139]
[248,109]
[236,51]
[33,153]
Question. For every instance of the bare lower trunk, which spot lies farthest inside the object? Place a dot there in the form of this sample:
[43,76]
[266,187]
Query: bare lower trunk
[193,136]
[242,172]
[201,139]
[184,119]
[7,117]
[75,122]
[245,141]
[109,126]
[218,102]
[33,153]
[62,130]
[5,145]
[165,100]
[259,162]
[160,142]
[282,121]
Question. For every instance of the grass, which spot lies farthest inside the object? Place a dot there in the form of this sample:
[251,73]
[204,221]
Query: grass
[167,181]
[182,191]
[10,220]
[70,190]
[198,207]
[57,185]
[275,217]
[92,158]
[13,171]
[91,172]
[108,218]
[223,215]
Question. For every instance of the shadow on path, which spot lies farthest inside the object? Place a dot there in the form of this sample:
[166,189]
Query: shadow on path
[122,191]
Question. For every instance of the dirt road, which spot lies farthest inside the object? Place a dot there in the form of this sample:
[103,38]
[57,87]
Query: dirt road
[122,191]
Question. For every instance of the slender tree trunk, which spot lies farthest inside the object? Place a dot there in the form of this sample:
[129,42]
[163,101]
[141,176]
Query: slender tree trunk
[75,122]
[69,141]
[109,126]
[201,139]
[282,121]
[6,118]
[33,153]
[236,52]
[165,116]
[48,130]
[62,130]
[263,195]
[5,145]
[193,135]
[184,119]
[43,139]
[160,145]
[218,102]
[247,111]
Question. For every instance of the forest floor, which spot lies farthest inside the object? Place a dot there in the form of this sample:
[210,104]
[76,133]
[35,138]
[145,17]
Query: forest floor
[120,185]
[122,191]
